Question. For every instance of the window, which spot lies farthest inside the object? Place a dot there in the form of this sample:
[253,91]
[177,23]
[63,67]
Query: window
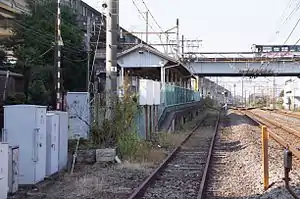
[267,49]
[285,49]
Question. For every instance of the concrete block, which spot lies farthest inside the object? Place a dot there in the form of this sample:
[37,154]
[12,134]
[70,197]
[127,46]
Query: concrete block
[86,156]
[105,155]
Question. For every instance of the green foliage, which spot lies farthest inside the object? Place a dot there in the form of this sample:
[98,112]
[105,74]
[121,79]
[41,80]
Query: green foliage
[128,144]
[2,58]
[107,132]
[33,46]
[281,93]
[18,98]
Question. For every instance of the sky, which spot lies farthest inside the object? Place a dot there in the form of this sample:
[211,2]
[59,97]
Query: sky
[223,25]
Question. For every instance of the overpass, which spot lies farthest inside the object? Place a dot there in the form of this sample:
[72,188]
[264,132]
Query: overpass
[243,64]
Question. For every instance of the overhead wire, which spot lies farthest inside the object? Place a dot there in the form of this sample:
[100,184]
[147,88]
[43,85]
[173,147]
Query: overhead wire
[47,36]
[96,48]
[159,36]
[152,16]
[295,26]
[41,37]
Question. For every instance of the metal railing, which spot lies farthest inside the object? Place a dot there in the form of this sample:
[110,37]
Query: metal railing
[175,95]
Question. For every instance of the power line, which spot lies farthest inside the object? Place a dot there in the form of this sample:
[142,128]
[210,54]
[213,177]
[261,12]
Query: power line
[159,36]
[48,36]
[140,12]
[152,16]
[292,31]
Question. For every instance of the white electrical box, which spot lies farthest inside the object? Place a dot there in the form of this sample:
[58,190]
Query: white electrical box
[62,139]
[78,104]
[13,171]
[146,92]
[4,170]
[52,143]
[25,126]
[143,92]
[156,93]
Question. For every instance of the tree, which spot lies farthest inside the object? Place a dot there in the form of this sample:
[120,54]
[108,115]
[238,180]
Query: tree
[33,45]
[281,93]
[2,58]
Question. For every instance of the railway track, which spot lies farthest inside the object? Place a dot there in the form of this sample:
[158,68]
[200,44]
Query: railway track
[283,134]
[183,174]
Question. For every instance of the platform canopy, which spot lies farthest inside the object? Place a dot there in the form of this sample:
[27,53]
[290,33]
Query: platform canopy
[145,57]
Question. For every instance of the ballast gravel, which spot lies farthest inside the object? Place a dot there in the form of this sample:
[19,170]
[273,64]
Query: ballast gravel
[236,170]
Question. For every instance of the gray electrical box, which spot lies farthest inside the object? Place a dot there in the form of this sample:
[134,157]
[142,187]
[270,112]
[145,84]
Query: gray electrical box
[25,126]
[13,169]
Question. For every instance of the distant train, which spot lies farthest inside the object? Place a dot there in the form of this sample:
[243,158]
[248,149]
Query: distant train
[276,51]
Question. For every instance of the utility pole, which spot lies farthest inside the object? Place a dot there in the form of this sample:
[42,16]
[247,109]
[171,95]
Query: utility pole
[88,49]
[234,86]
[111,53]
[273,101]
[177,37]
[254,96]
[242,90]
[182,47]
[147,27]
[59,43]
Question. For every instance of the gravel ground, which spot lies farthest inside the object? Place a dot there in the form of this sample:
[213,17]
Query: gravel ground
[236,165]
[290,138]
[94,182]
[100,181]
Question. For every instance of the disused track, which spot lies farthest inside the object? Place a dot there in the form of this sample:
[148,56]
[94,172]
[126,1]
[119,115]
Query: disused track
[183,173]
[285,135]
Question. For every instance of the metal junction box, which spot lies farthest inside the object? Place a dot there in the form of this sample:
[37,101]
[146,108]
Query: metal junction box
[62,139]
[25,126]
[78,107]
[52,143]
[4,170]
[13,171]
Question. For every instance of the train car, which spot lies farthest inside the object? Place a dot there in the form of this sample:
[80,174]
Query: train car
[276,51]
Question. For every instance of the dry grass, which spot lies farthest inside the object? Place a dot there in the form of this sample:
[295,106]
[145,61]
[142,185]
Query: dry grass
[87,183]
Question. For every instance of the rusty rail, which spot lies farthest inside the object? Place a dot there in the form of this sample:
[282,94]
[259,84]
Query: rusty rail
[139,192]
[263,121]
[203,180]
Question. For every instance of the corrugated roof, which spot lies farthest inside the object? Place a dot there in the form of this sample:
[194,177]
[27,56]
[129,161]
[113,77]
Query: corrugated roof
[156,52]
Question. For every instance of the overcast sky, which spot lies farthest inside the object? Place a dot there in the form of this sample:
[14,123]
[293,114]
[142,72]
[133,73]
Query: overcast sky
[223,25]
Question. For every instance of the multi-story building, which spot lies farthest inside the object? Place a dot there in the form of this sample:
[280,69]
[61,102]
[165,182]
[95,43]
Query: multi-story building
[86,13]
[291,99]
[8,9]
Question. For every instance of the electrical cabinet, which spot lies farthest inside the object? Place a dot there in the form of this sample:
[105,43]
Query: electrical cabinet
[62,139]
[146,92]
[13,169]
[79,114]
[25,126]
[4,170]
[52,143]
